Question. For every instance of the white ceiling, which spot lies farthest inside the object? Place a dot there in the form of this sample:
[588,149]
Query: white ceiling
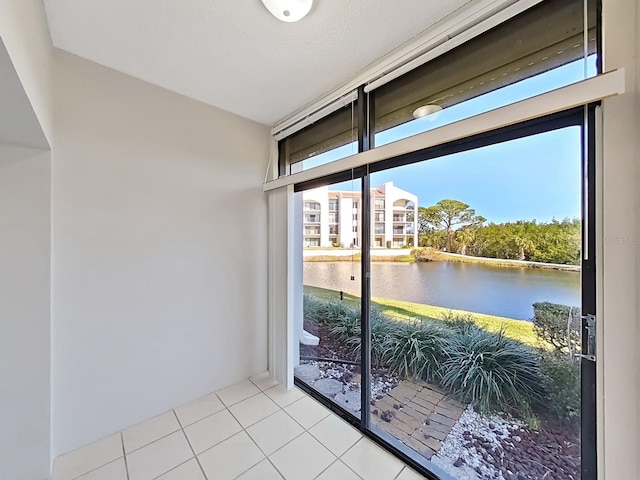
[232,53]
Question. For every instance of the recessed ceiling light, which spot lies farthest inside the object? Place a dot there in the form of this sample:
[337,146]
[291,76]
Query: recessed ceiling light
[426,110]
[288,10]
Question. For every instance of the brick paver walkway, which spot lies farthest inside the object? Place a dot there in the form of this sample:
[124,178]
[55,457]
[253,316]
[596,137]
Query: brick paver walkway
[420,415]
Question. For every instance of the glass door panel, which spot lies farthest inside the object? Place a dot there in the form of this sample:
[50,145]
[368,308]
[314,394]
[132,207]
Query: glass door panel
[329,359]
[475,308]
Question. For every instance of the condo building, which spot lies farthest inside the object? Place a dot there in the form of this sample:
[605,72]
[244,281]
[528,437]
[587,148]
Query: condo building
[332,217]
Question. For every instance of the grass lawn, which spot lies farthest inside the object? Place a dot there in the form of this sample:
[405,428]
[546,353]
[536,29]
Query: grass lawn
[517,329]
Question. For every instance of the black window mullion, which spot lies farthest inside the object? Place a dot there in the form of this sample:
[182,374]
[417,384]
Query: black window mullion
[364,144]
[589,463]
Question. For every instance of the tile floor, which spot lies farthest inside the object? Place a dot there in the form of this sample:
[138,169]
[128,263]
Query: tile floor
[253,430]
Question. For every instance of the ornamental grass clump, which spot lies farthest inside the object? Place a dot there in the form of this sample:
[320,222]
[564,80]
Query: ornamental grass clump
[492,371]
[346,326]
[414,349]
[313,308]
[381,328]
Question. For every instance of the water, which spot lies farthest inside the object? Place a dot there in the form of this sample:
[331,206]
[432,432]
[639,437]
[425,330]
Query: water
[507,292]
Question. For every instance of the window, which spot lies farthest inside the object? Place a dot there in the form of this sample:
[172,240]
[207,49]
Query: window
[535,52]
[333,217]
[328,139]
[312,242]
[312,218]
[333,229]
[311,206]
[312,230]
[333,204]
[541,49]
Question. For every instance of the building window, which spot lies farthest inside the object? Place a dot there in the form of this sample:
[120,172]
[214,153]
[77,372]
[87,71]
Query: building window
[333,217]
[333,229]
[355,229]
[379,228]
[312,242]
[312,218]
[379,216]
[355,216]
[398,230]
[311,206]
[398,217]
[312,230]
[378,204]
[333,204]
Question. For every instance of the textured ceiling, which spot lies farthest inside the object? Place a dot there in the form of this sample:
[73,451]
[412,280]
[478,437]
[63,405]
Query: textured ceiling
[232,53]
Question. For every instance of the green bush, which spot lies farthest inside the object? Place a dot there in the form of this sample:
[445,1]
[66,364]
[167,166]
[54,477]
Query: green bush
[458,322]
[334,311]
[414,349]
[491,370]
[561,380]
[313,308]
[423,254]
[381,327]
[347,327]
[550,322]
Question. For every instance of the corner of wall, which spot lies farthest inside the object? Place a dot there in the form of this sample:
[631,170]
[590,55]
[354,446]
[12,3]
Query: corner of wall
[25,32]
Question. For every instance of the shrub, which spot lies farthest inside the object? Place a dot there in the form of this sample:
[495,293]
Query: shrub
[561,379]
[381,328]
[388,243]
[457,322]
[423,254]
[414,349]
[312,307]
[347,327]
[491,370]
[553,325]
[333,311]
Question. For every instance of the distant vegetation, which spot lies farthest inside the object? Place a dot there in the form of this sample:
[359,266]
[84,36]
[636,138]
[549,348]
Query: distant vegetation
[453,226]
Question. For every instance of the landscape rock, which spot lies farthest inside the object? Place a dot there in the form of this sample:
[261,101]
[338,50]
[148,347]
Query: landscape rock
[349,400]
[308,373]
[328,387]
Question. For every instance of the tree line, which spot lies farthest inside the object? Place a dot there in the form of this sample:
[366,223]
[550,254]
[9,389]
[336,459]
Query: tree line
[452,226]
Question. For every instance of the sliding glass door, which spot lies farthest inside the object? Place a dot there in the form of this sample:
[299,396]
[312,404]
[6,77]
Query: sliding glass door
[478,325]
[445,309]
[330,350]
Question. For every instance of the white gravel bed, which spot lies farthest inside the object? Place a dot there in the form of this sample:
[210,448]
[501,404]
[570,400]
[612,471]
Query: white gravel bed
[463,461]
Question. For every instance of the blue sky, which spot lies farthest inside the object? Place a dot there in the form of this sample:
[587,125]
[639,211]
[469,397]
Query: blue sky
[536,177]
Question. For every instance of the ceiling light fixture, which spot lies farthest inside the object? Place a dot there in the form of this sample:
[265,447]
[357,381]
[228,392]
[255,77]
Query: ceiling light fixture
[288,10]
[431,111]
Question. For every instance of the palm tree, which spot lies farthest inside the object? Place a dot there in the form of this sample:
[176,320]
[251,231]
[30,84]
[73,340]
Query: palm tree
[465,236]
[524,245]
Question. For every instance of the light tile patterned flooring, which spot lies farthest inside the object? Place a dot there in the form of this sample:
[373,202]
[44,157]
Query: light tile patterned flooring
[253,430]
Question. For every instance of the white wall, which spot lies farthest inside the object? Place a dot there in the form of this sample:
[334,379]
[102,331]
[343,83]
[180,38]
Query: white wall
[25,33]
[25,214]
[619,310]
[159,250]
